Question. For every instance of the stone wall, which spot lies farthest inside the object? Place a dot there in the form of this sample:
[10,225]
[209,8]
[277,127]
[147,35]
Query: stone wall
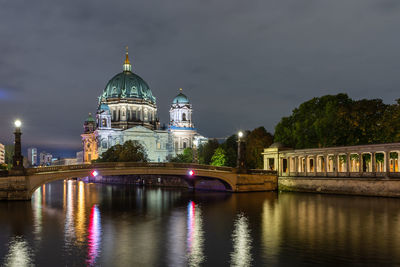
[348,186]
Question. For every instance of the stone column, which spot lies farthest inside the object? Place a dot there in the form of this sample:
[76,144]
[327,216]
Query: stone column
[373,163]
[289,164]
[306,163]
[387,162]
[315,165]
[348,164]
[296,165]
[398,161]
[360,163]
[335,164]
[325,170]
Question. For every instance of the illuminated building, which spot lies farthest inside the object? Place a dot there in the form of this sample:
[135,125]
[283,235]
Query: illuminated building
[181,124]
[45,158]
[32,156]
[2,154]
[127,110]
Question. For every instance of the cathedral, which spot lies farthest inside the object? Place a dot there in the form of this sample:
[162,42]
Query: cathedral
[127,110]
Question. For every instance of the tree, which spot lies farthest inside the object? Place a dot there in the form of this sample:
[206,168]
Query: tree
[186,157]
[337,120]
[256,141]
[206,151]
[231,147]
[9,154]
[130,151]
[219,157]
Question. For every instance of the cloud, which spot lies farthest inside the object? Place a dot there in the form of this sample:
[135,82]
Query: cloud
[242,64]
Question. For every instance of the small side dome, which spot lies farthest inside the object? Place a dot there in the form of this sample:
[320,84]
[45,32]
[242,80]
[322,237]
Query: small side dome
[180,98]
[90,119]
[277,145]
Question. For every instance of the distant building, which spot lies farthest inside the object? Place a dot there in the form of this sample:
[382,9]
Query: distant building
[45,158]
[66,161]
[2,154]
[32,156]
[79,157]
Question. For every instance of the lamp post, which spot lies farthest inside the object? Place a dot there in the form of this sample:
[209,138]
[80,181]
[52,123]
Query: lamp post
[240,161]
[18,159]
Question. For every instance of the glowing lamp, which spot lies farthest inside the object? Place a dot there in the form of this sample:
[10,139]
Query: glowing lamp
[17,123]
[240,134]
[191,173]
[94,173]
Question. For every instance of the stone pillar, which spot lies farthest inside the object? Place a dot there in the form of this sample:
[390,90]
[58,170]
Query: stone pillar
[360,163]
[288,165]
[296,165]
[335,164]
[325,170]
[315,165]
[398,161]
[373,163]
[387,162]
[306,163]
[348,164]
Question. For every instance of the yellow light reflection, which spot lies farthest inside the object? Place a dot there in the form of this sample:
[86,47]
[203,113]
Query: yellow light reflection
[69,215]
[80,221]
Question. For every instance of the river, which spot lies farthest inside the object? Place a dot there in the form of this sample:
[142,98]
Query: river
[70,223]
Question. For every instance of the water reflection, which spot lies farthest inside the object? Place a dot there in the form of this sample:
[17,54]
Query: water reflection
[241,238]
[82,224]
[195,239]
[69,232]
[19,254]
[94,237]
[176,239]
[37,213]
[80,219]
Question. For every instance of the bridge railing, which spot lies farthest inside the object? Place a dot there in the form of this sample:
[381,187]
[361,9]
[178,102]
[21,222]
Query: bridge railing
[140,165]
[126,165]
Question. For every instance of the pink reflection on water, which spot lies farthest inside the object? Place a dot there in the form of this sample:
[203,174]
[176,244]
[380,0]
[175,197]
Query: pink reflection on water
[195,255]
[94,236]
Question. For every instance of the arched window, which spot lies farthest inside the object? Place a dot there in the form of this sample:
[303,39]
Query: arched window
[104,144]
[104,123]
[184,145]
[114,116]
[184,116]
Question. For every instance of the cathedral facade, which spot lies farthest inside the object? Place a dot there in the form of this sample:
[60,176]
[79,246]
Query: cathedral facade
[127,110]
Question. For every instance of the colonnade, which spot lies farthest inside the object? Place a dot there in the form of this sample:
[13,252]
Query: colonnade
[352,161]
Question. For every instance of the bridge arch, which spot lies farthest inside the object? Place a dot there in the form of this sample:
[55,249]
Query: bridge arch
[40,176]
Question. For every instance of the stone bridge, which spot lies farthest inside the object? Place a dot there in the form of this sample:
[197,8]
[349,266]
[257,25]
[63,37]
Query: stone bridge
[14,186]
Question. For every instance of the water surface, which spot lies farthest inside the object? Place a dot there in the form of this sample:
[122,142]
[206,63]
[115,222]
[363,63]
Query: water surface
[71,223]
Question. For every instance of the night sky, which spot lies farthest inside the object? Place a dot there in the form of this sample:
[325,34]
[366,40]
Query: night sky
[243,64]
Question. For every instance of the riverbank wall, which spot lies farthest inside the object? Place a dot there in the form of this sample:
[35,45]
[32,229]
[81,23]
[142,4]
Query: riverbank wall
[345,186]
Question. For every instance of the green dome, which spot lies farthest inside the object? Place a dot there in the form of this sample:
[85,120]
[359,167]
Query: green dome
[128,85]
[180,99]
[90,118]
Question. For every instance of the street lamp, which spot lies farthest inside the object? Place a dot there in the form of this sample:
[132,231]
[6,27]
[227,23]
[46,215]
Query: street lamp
[18,159]
[240,161]
[17,123]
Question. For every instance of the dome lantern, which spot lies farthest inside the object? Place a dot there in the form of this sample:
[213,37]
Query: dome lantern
[127,64]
